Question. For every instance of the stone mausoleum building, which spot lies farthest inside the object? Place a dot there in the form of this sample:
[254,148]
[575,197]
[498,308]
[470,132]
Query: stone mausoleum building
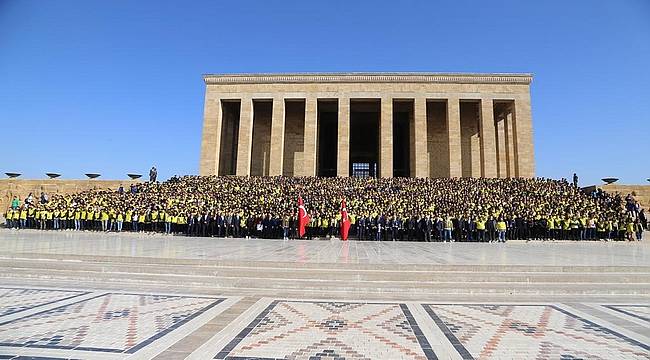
[368,124]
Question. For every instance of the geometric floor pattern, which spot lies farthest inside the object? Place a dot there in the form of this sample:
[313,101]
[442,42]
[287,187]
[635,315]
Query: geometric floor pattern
[641,312]
[111,325]
[318,330]
[109,322]
[13,300]
[530,332]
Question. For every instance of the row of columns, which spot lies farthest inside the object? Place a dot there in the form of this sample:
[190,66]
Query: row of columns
[500,146]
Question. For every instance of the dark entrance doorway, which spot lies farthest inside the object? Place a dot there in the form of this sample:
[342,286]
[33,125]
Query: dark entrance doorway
[402,118]
[229,137]
[327,137]
[364,137]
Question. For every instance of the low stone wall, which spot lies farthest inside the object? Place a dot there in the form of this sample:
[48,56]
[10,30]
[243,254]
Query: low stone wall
[22,187]
[641,192]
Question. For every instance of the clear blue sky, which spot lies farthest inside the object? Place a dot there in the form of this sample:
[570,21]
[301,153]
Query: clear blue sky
[115,86]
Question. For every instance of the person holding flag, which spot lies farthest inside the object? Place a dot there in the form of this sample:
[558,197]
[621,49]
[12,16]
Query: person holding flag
[345,221]
[303,217]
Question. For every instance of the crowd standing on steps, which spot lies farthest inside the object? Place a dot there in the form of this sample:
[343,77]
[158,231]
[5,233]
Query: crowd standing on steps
[386,209]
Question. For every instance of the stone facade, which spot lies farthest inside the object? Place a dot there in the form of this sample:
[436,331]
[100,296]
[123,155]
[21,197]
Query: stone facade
[477,125]
[22,187]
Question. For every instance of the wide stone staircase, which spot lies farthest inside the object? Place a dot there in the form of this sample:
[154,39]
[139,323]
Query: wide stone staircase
[325,280]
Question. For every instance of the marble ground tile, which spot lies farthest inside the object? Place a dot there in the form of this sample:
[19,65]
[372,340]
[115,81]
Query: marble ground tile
[316,330]
[486,331]
[14,300]
[106,323]
[20,357]
[641,312]
[550,253]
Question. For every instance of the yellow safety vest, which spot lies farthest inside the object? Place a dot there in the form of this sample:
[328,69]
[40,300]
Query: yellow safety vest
[480,225]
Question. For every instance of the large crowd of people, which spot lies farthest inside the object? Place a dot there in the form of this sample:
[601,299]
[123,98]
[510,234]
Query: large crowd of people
[409,209]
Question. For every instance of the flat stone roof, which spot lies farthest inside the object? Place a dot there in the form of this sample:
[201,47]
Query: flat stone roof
[369,77]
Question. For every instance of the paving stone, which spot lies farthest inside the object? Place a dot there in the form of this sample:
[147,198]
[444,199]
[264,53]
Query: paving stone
[115,313]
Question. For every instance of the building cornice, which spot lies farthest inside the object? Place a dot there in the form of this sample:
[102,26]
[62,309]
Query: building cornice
[369,77]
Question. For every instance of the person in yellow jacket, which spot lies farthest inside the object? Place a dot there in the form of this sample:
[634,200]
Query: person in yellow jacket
[82,218]
[174,222]
[638,228]
[154,220]
[120,220]
[98,217]
[629,229]
[480,229]
[57,219]
[448,229]
[104,219]
[501,229]
[43,223]
[142,221]
[9,218]
[50,218]
[77,219]
[31,212]
[168,222]
[37,219]
[16,218]
[550,227]
[112,220]
[23,218]
[128,218]
[181,220]
[135,221]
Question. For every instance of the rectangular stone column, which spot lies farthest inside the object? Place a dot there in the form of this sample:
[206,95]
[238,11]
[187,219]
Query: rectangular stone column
[510,146]
[453,137]
[386,138]
[501,148]
[211,139]
[245,141]
[488,141]
[277,137]
[420,134]
[311,137]
[343,155]
[523,131]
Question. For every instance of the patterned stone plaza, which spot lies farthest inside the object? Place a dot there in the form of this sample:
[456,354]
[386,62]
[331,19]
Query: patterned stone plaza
[112,325]
[120,312]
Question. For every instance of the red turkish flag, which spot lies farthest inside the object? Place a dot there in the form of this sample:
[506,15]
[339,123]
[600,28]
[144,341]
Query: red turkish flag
[303,218]
[345,221]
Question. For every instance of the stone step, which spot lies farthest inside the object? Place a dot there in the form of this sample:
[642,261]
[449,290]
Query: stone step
[265,285]
[408,276]
[208,290]
[271,265]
